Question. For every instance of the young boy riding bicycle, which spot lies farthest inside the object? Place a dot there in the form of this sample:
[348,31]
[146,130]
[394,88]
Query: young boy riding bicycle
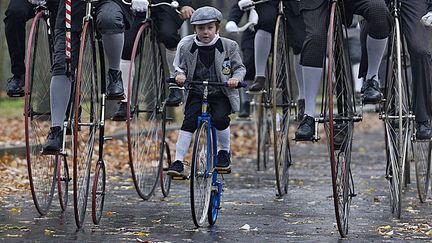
[207,56]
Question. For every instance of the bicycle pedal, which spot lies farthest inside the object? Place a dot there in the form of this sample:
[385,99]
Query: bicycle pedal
[180,178]
[256,92]
[223,171]
[169,118]
[107,138]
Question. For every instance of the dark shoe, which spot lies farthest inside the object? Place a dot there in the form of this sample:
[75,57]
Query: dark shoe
[258,84]
[423,130]
[371,91]
[120,114]
[245,110]
[54,142]
[115,85]
[306,129]
[223,162]
[300,109]
[175,98]
[15,86]
[176,168]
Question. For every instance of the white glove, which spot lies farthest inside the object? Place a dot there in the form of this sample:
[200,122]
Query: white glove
[427,19]
[37,2]
[245,5]
[140,5]
[253,17]
[231,26]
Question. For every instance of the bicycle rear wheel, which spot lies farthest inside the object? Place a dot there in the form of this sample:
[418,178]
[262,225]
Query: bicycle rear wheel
[423,162]
[280,101]
[37,116]
[201,173]
[84,121]
[262,123]
[146,112]
[165,180]
[98,192]
[397,121]
[339,113]
[63,179]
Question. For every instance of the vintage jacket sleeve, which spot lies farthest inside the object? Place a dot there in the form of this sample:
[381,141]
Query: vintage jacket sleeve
[238,68]
[235,13]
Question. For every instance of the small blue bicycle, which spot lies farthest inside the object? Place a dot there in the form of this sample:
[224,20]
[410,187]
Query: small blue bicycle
[205,188]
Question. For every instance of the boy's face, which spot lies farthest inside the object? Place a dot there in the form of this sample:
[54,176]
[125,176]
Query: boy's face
[206,32]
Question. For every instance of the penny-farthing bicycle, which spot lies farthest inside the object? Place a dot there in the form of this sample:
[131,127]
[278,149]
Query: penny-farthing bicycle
[45,172]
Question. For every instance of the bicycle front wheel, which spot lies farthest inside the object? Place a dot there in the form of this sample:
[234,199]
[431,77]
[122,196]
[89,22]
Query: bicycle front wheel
[280,101]
[423,162]
[165,180]
[201,173]
[262,124]
[146,112]
[397,121]
[338,116]
[37,116]
[84,121]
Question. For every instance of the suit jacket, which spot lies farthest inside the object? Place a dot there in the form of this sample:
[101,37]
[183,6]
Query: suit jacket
[227,57]
[310,4]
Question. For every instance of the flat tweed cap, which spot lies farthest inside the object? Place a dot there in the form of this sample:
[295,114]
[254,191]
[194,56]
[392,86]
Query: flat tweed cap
[205,15]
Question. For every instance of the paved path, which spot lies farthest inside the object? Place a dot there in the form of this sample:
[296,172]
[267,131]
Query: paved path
[306,214]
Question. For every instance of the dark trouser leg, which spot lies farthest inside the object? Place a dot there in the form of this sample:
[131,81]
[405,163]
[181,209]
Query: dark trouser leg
[247,45]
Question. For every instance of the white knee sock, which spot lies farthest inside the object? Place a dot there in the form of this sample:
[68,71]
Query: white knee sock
[182,146]
[223,139]
[60,90]
[299,75]
[358,82]
[375,51]
[312,81]
[262,50]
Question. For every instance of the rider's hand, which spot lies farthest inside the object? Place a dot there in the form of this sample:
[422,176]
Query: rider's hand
[231,26]
[245,5]
[140,5]
[232,83]
[253,17]
[186,12]
[180,79]
[37,2]
[427,19]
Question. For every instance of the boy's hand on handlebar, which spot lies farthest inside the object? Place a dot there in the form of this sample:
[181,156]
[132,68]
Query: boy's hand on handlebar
[180,79]
[427,19]
[186,12]
[245,5]
[233,83]
[140,5]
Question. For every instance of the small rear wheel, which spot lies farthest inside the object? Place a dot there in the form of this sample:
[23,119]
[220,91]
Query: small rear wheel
[423,163]
[213,209]
[98,192]
[62,181]
[165,180]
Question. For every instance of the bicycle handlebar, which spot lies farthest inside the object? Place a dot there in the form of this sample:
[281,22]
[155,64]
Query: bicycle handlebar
[209,83]
[174,4]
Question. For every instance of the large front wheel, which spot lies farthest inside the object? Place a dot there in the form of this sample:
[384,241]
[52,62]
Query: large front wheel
[84,122]
[146,112]
[280,102]
[37,116]
[201,174]
[423,163]
[338,118]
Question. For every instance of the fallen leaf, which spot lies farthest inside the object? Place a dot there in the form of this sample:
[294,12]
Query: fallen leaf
[245,227]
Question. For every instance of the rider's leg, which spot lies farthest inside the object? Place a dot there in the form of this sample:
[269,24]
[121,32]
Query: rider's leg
[247,46]
[192,111]
[418,41]
[17,14]
[220,109]
[168,23]
[312,58]
[379,22]
[263,41]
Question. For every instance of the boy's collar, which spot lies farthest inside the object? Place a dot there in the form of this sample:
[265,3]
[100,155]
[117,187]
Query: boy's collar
[218,45]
